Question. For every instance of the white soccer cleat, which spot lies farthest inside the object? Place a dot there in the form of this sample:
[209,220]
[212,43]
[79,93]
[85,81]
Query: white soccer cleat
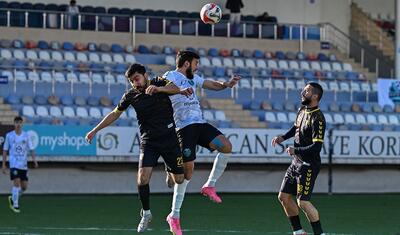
[144,222]
[300,232]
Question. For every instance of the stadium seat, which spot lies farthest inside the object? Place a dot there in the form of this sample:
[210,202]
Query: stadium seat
[118,58]
[44,55]
[349,119]
[55,111]
[130,59]
[94,57]
[28,111]
[42,111]
[227,62]
[204,61]
[170,60]
[270,117]
[31,55]
[261,63]
[215,61]
[282,117]
[220,115]
[106,58]
[81,112]
[347,67]
[68,112]
[371,119]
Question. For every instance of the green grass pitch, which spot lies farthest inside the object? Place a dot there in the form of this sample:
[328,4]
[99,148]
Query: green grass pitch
[252,214]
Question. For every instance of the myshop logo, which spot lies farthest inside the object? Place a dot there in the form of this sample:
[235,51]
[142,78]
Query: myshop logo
[57,141]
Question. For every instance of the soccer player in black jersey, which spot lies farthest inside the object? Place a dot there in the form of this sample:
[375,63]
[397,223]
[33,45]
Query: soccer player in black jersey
[308,132]
[158,138]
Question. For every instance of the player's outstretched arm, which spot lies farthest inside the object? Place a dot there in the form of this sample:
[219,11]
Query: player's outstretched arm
[107,120]
[170,89]
[217,85]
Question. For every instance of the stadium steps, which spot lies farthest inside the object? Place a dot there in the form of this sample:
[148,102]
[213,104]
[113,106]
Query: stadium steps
[235,113]
[7,114]
[364,24]
[356,66]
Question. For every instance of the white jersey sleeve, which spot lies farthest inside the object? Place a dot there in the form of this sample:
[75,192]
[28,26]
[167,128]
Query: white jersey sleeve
[6,145]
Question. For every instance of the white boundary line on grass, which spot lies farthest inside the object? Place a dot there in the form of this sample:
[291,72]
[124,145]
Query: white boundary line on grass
[127,229]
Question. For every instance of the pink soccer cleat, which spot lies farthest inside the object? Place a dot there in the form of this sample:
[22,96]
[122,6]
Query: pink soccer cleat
[174,225]
[211,193]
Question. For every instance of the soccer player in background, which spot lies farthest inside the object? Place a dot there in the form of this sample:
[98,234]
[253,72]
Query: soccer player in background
[308,132]
[157,130]
[193,130]
[17,145]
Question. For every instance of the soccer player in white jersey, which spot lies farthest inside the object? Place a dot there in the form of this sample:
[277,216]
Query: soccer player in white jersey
[193,130]
[17,145]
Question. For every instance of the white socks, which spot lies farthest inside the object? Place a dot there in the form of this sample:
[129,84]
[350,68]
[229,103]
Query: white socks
[148,212]
[15,195]
[177,200]
[220,162]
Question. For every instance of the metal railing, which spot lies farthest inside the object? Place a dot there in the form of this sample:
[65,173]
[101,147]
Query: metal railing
[352,48]
[153,24]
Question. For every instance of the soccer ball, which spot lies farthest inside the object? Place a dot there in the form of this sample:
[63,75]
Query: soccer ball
[211,13]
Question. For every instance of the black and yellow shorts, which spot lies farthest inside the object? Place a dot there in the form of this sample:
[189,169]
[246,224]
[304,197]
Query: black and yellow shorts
[299,181]
[168,148]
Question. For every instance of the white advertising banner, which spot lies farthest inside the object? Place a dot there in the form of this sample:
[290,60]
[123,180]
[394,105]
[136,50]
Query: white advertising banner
[256,143]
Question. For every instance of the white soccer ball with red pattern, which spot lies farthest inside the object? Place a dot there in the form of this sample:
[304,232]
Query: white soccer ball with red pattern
[211,13]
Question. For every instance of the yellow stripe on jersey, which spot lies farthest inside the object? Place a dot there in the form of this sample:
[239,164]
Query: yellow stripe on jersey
[318,140]
[116,110]
[307,112]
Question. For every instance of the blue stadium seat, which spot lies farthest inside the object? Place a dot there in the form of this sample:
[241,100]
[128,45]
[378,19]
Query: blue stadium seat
[40,99]
[213,52]
[68,46]
[143,49]
[116,48]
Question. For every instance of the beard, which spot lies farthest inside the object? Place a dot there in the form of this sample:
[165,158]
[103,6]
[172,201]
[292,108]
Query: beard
[305,101]
[189,73]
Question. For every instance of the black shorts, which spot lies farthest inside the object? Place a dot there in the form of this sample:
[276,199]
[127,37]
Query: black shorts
[196,134]
[18,174]
[299,180]
[168,148]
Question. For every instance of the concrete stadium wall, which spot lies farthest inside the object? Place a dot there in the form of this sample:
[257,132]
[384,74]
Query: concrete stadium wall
[109,179]
[288,11]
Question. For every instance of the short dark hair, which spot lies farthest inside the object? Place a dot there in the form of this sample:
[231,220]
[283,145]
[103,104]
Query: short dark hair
[135,68]
[184,56]
[18,119]
[317,89]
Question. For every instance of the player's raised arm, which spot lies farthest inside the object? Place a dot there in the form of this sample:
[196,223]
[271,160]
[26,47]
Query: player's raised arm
[162,85]
[106,121]
[218,85]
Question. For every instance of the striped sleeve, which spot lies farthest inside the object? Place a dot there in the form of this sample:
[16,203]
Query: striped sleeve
[318,129]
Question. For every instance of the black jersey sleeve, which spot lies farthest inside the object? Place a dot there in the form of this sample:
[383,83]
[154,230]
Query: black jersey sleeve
[159,81]
[125,101]
[290,133]
[318,128]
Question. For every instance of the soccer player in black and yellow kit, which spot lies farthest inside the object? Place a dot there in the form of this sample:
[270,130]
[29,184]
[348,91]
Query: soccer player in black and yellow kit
[150,99]
[308,132]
